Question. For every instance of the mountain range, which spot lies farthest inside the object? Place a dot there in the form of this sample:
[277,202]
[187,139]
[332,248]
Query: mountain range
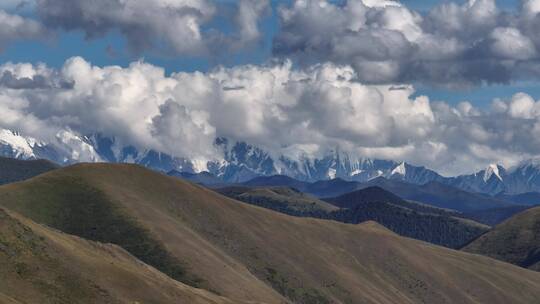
[242,162]
[484,208]
[120,233]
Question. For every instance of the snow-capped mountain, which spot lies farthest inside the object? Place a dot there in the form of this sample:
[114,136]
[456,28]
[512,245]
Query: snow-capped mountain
[490,180]
[414,175]
[66,147]
[111,151]
[242,162]
[495,179]
[523,178]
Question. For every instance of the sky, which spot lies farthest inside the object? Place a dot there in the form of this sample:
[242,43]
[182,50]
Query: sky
[451,85]
[111,50]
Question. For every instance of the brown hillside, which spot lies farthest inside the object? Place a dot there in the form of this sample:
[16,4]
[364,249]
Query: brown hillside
[249,253]
[40,265]
[516,240]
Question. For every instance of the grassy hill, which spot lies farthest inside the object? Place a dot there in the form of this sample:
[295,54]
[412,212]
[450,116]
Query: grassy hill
[517,240]
[41,265]
[14,170]
[244,252]
[422,222]
[278,198]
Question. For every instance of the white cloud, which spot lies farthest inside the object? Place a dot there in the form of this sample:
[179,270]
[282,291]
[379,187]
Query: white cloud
[531,7]
[277,107]
[451,45]
[522,106]
[183,132]
[510,43]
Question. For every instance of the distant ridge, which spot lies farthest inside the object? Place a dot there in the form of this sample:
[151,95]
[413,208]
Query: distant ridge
[369,194]
[14,170]
[432,193]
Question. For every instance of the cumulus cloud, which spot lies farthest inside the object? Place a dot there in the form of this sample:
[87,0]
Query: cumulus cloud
[510,43]
[15,28]
[385,42]
[186,133]
[296,112]
[169,26]
[523,106]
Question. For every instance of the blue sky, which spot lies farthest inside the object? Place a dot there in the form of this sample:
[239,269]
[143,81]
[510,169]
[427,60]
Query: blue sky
[111,50]
[321,75]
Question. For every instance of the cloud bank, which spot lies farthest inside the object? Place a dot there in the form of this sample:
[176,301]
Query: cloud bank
[281,109]
[452,45]
[385,42]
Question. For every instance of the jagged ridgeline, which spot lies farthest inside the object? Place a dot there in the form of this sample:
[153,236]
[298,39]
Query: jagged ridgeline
[241,162]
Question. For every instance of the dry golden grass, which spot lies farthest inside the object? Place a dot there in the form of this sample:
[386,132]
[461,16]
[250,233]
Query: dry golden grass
[41,265]
[248,253]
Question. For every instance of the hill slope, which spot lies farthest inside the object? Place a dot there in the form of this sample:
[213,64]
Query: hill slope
[14,170]
[278,198]
[40,265]
[517,240]
[250,253]
[422,222]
